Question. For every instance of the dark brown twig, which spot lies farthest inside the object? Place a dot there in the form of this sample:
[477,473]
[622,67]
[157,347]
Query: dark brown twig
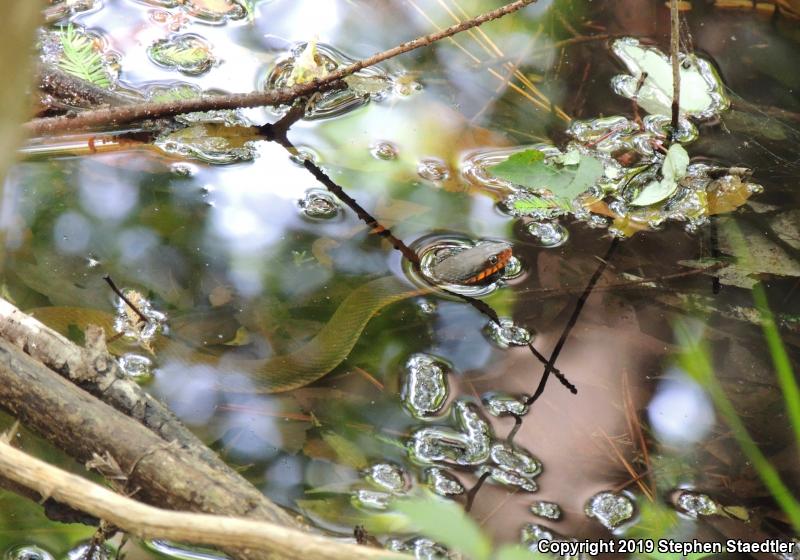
[118,116]
[122,296]
[549,367]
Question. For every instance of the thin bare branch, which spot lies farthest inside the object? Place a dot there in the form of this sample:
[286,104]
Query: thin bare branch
[119,116]
[675,25]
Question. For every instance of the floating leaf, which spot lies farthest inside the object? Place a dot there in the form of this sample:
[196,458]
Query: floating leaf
[445,521]
[188,53]
[565,179]
[308,66]
[672,171]
[81,58]
[701,88]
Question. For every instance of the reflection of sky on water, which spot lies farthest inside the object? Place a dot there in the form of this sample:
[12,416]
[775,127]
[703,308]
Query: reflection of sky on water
[680,412]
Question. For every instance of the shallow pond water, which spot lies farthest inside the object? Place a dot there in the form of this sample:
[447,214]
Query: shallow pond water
[248,256]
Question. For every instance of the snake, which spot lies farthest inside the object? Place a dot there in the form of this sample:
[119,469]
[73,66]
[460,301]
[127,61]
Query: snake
[332,344]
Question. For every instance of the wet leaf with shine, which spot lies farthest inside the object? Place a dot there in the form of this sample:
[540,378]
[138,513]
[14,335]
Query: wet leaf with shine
[531,170]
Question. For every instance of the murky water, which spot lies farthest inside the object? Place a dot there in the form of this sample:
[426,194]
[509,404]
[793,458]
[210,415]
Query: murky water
[240,253]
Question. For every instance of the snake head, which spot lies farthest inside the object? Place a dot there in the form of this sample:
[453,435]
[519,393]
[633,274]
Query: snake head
[473,265]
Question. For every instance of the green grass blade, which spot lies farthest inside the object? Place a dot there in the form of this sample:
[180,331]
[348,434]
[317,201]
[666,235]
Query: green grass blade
[780,359]
[696,362]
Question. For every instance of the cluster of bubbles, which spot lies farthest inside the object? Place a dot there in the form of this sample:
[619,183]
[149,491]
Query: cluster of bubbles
[80,552]
[139,329]
[631,152]
[610,509]
[369,84]
[319,204]
[506,334]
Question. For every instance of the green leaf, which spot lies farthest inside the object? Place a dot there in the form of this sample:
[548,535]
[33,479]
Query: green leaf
[532,203]
[188,53]
[672,171]
[517,552]
[445,521]
[346,451]
[567,176]
[80,58]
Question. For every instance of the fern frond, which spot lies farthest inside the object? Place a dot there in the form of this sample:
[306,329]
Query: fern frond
[80,58]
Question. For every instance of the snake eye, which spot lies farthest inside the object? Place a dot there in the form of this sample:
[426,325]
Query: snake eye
[493,259]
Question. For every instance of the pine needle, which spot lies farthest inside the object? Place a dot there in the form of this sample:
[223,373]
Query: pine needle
[80,58]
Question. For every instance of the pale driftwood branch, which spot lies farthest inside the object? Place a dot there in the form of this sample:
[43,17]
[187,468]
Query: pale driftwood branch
[119,116]
[149,522]
[96,371]
[129,455]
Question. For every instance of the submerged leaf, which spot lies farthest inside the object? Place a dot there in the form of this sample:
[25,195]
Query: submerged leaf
[446,522]
[347,452]
[531,169]
[188,53]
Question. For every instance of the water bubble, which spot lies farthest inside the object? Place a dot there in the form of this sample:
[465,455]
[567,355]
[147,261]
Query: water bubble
[425,385]
[432,169]
[532,534]
[205,143]
[539,206]
[468,446]
[384,150]
[133,326]
[81,552]
[371,499]
[509,478]
[610,509]
[596,221]
[696,504]
[175,551]
[547,510]
[28,552]
[513,269]
[422,548]
[427,307]
[503,404]
[182,169]
[387,477]
[405,86]
[319,204]
[92,261]
[549,234]
[135,366]
[507,334]
[518,466]
[442,482]
[304,153]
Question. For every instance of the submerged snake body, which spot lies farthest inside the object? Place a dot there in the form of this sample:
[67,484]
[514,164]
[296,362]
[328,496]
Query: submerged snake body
[326,350]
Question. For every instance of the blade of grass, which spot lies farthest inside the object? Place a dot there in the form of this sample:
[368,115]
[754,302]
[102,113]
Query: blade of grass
[695,361]
[780,359]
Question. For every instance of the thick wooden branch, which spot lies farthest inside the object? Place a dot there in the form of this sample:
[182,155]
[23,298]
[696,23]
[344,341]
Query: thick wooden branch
[97,372]
[149,522]
[120,116]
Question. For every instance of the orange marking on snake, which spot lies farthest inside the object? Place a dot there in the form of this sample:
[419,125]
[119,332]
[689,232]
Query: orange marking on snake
[502,261]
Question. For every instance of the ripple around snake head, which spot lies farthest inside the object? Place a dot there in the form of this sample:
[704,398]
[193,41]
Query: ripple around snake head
[433,248]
